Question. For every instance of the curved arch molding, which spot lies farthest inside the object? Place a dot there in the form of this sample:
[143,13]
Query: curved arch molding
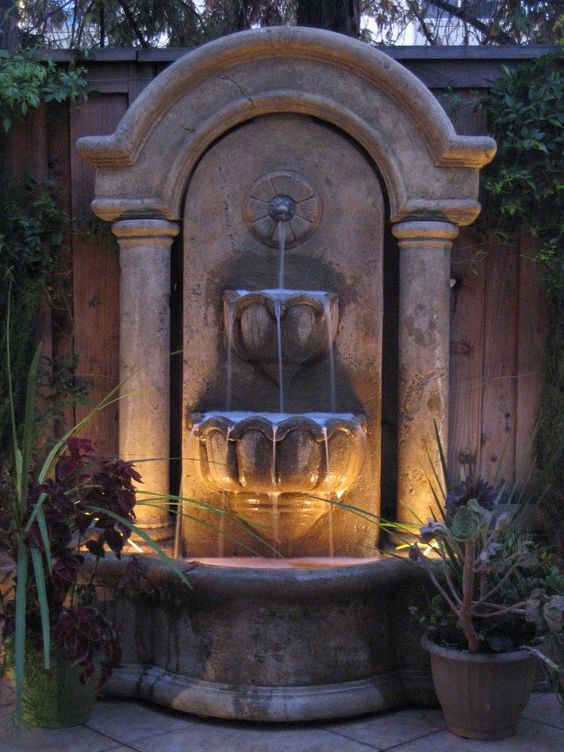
[430,172]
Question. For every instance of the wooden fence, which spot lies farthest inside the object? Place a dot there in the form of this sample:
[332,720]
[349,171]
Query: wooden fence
[498,320]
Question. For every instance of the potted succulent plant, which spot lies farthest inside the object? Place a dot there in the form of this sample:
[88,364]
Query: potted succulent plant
[497,594]
[58,647]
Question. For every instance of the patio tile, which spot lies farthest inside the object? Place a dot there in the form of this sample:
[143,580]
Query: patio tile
[530,737]
[543,707]
[393,727]
[234,737]
[75,739]
[127,721]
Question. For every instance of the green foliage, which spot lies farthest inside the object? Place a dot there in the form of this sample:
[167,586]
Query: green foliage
[32,228]
[26,82]
[524,186]
[523,193]
[50,512]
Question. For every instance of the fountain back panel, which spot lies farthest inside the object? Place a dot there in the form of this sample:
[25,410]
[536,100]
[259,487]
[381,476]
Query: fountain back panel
[334,244]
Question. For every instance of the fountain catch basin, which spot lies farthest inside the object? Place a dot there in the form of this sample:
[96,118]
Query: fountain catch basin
[295,641]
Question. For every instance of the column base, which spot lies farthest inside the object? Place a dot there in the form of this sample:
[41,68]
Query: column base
[156,533]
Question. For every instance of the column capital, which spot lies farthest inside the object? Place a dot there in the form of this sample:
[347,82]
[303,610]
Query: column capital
[141,229]
[424,232]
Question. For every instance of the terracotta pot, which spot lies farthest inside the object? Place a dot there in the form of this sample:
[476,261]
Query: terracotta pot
[482,695]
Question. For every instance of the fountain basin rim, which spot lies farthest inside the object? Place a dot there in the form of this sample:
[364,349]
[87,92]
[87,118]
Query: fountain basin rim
[314,563]
[319,300]
[276,426]
[274,584]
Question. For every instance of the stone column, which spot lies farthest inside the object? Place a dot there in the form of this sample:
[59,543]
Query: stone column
[423,359]
[144,422]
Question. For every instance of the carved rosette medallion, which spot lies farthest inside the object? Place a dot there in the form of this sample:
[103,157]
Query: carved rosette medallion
[259,208]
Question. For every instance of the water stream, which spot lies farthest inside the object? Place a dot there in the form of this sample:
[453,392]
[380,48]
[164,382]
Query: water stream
[223,500]
[330,514]
[331,345]
[282,253]
[273,497]
[278,314]
[230,324]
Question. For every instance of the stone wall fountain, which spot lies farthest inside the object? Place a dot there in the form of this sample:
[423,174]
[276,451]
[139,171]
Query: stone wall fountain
[280,155]
[281,387]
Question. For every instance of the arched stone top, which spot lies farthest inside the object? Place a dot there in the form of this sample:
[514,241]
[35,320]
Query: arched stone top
[429,171]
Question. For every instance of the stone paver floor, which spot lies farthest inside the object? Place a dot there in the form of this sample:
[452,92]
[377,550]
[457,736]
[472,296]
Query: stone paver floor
[124,726]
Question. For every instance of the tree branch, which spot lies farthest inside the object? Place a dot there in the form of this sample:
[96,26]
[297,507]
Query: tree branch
[137,31]
[463,15]
[414,8]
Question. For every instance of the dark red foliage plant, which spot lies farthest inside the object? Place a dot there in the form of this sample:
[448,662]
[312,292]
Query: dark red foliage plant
[87,506]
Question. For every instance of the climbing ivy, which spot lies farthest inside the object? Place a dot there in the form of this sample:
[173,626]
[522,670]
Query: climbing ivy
[26,82]
[523,193]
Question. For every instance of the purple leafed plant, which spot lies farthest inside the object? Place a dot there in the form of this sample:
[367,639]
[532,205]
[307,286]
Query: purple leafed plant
[86,506]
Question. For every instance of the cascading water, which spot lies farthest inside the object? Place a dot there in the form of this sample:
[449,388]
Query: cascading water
[331,350]
[282,252]
[278,314]
[305,323]
[330,512]
[224,503]
[229,333]
[281,209]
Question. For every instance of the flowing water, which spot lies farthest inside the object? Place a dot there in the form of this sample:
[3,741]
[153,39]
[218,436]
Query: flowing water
[273,471]
[330,337]
[230,324]
[274,495]
[330,515]
[224,505]
[278,314]
[282,253]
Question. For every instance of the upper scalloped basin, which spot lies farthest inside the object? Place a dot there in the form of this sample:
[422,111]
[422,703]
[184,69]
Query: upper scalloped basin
[280,452]
[303,322]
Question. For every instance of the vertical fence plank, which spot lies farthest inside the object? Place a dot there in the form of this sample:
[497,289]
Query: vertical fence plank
[26,158]
[530,353]
[139,76]
[499,399]
[95,276]
[468,271]
[58,154]
[27,147]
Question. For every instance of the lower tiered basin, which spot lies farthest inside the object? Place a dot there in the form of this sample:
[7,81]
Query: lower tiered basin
[319,453]
[282,472]
[271,643]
